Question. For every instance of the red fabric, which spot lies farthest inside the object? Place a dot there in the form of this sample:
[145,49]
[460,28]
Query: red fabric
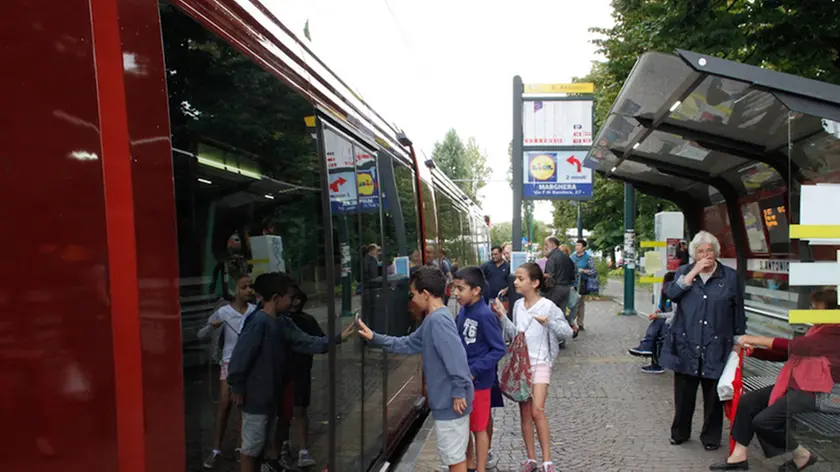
[813,363]
[480,414]
[731,407]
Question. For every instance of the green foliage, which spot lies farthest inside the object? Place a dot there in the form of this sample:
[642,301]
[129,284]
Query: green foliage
[603,271]
[501,232]
[801,37]
[461,162]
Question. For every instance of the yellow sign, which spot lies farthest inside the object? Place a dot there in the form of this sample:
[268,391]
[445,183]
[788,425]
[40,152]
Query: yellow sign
[653,244]
[814,232]
[577,87]
[814,316]
[651,280]
[365,184]
[542,167]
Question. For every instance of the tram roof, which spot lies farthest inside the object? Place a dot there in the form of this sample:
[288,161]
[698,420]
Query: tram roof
[697,128]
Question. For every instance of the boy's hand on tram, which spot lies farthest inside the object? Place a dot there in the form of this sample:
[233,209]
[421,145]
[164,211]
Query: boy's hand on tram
[459,405]
[348,331]
[364,331]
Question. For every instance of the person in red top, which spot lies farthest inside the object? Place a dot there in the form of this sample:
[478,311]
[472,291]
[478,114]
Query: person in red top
[812,365]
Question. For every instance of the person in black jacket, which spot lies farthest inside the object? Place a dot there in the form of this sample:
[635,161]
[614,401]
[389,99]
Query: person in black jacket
[708,320]
[561,270]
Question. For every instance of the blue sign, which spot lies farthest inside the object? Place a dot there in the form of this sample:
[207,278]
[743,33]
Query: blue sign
[558,175]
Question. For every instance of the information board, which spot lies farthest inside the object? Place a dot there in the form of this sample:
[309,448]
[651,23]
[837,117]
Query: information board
[556,175]
[557,123]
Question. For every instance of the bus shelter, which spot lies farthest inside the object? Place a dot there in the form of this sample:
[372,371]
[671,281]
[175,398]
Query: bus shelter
[748,154]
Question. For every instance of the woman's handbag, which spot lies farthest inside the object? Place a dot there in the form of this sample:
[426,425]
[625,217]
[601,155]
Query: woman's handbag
[829,402]
[516,378]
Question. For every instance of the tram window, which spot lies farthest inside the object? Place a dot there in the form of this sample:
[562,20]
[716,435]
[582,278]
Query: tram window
[248,199]
[449,222]
[429,222]
[775,219]
[404,377]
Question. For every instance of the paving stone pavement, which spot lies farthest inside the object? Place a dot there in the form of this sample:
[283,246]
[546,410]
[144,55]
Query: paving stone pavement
[605,414]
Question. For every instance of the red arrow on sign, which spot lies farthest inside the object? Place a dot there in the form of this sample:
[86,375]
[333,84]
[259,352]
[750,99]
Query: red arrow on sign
[338,182]
[573,161]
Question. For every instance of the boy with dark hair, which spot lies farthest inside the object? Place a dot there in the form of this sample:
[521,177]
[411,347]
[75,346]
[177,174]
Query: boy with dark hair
[259,359]
[482,337]
[448,380]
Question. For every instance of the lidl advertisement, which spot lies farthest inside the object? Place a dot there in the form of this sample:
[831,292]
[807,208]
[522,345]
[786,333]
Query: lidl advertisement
[558,175]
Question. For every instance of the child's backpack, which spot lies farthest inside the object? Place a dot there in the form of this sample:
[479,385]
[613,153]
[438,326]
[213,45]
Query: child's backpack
[516,378]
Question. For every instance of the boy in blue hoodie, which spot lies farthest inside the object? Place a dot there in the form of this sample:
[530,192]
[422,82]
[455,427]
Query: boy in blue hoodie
[449,384]
[485,346]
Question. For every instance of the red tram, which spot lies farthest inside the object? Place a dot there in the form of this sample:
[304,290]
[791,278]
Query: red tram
[152,147]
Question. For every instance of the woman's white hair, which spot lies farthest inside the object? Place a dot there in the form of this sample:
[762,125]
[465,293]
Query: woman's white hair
[704,237]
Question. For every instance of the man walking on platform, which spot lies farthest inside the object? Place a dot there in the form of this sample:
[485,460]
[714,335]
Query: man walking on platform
[496,272]
[583,268]
[560,268]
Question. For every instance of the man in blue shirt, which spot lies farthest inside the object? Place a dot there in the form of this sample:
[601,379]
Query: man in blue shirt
[496,272]
[582,260]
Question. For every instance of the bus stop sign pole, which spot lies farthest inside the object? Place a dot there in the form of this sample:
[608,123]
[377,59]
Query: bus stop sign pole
[629,250]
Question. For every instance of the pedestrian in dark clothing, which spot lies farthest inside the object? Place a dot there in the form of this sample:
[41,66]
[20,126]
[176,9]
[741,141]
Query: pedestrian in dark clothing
[561,270]
[709,318]
[496,272]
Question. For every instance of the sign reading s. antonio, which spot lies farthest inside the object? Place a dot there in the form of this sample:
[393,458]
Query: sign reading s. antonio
[558,175]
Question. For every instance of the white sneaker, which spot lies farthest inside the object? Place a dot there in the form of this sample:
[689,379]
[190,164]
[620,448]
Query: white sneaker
[210,462]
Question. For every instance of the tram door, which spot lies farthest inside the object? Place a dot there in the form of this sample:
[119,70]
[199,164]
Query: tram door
[356,212]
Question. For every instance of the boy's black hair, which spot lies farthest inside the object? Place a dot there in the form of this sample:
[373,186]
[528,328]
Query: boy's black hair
[273,283]
[582,242]
[496,248]
[430,279]
[472,276]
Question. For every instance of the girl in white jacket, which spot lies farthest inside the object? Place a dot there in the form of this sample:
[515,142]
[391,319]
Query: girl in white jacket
[544,325]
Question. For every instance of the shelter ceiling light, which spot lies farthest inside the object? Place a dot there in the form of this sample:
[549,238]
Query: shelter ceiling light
[204,181]
[676,105]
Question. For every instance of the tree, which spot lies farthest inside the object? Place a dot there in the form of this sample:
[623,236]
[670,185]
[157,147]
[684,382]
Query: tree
[461,162]
[801,37]
[501,232]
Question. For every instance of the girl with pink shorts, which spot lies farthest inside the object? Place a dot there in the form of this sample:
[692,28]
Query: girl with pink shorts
[544,325]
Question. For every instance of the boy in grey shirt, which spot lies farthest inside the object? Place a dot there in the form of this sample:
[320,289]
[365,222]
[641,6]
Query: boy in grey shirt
[449,383]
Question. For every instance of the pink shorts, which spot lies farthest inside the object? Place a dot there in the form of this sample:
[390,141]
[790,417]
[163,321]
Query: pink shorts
[541,374]
[223,371]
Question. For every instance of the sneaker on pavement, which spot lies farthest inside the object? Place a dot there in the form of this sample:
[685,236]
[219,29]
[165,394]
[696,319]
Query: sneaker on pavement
[653,369]
[492,461]
[639,352]
[529,466]
[305,459]
[210,462]
[549,468]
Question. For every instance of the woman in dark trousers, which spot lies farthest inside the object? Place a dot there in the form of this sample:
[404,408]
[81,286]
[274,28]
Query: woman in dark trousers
[813,365]
[709,316]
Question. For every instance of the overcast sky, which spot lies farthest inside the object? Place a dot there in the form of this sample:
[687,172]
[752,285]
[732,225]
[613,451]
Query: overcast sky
[438,64]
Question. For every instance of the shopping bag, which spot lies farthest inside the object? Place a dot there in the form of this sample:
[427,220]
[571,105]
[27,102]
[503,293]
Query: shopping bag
[725,388]
[737,385]
[516,378]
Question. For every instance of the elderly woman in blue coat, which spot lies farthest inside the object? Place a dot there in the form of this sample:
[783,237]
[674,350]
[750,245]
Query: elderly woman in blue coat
[709,317]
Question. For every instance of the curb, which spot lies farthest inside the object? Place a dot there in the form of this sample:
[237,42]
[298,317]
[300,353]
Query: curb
[408,461]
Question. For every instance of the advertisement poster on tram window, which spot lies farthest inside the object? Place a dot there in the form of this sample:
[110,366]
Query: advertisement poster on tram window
[557,175]
[342,173]
[557,123]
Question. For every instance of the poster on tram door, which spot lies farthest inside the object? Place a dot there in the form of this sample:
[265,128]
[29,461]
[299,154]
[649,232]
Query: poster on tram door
[673,259]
